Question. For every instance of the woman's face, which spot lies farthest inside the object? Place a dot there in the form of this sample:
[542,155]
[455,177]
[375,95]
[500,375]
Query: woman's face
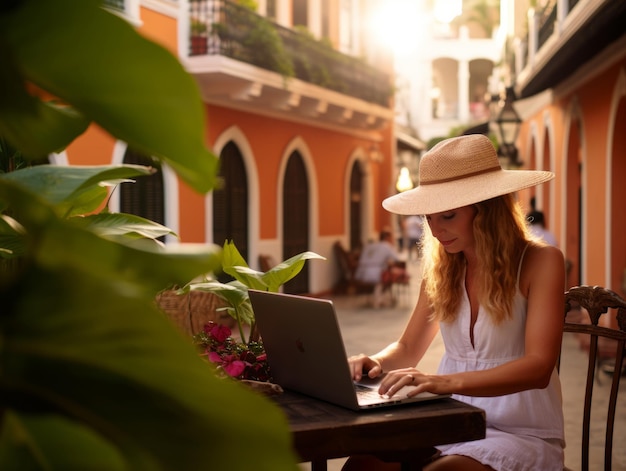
[453,228]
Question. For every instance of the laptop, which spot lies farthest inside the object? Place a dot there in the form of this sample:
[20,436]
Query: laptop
[306,353]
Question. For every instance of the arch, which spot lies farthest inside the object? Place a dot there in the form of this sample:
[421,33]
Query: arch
[237,137]
[445,78]
[547,162]
[299,146]
[531,158]
[358,158]
[572,228]
[478,86]
[230,201]
[145,197]
[296,219]
[59,159]
[170,192]
[615,215]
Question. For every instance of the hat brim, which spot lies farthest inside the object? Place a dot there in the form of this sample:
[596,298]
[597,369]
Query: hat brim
[440,197]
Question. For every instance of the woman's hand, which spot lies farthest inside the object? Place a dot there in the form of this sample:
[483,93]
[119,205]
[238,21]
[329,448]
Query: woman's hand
[418,381]
[361,363]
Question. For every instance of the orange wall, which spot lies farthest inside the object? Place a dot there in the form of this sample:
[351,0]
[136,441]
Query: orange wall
[159,28]
[268,138]
[93,147]
[594,101]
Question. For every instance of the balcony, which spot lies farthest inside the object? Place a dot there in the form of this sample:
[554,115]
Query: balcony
[243,60]
[562,38]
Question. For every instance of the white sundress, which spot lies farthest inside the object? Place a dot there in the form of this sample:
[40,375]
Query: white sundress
[525,429]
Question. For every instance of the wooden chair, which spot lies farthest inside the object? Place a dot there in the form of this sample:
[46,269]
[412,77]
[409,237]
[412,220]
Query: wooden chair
[399,280]
[266,262]
[595,301]
[347,283]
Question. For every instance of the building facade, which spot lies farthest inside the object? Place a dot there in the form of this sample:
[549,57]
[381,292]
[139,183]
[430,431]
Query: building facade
[299,109]
[570,79]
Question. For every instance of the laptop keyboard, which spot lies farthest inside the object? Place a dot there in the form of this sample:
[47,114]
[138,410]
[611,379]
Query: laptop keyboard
[366,392]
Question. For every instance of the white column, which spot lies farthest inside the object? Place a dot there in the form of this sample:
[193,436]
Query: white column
[315,17]
[463,91]
[533,32]
[282,13]
[561,12]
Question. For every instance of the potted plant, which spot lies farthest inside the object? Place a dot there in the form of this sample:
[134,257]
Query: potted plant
[242,357]
[198,37]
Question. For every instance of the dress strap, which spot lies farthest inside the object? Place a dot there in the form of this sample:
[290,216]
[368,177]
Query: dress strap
[519,268]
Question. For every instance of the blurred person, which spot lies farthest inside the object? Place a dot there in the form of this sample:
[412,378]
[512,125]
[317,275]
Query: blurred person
[375,259]
[538,227]
[414,226]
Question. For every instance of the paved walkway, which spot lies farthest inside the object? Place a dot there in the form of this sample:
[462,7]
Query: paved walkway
[366,330]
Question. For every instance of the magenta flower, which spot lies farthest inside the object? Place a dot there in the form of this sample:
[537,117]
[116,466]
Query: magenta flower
[234,358]
[219,332]
[234,368]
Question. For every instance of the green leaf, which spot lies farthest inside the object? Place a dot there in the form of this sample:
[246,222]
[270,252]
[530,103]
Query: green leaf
[74,190]
[11,238]
[132,87]
[250,278]
[120,369]
[234,293]
[31,441]
[111,225]
[232,258]
[285,271]
[55,242]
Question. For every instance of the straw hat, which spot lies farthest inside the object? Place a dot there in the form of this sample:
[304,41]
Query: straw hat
[458,172]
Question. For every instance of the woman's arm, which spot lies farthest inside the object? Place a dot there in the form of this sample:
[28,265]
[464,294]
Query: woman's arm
[542,282]
[407,351]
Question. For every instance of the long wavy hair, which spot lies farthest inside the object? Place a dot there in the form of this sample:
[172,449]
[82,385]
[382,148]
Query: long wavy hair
[500,234]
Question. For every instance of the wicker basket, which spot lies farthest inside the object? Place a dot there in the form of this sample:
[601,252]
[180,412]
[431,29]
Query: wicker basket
[191,311]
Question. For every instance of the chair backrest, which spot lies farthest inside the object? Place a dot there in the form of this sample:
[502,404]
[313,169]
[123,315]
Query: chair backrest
[266,262]
[595,301]
[343,260]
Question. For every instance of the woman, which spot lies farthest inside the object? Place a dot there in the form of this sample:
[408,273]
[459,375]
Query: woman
[496,294]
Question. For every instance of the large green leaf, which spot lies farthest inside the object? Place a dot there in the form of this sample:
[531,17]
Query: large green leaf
[234,293]
[276,276]
[74,190]
[35,127]
[120,370]
[112,225]
[87,360]
[32,441]
[96,62]
[53,241]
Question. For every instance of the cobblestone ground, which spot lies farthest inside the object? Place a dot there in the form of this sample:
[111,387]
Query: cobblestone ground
[367,330]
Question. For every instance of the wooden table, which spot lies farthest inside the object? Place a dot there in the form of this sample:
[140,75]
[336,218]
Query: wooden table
[322,431]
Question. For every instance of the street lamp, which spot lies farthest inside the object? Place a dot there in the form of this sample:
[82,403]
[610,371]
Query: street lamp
[404,181]
[508,123]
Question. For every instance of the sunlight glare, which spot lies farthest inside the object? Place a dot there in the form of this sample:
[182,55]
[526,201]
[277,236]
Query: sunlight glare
[447,10]
[394,23]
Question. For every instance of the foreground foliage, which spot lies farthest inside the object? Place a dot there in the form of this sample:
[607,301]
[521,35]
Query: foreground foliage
[92,374]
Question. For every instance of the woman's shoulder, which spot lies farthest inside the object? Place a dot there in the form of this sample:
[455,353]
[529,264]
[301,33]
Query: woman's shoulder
[537,252]
[541,263]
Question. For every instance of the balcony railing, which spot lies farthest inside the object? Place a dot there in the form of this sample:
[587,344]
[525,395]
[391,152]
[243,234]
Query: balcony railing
[546,23]
[562,36]
[114,4]
[225,28]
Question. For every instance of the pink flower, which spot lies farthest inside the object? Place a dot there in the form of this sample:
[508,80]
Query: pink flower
[215,357]
[234,368]
[219,332]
